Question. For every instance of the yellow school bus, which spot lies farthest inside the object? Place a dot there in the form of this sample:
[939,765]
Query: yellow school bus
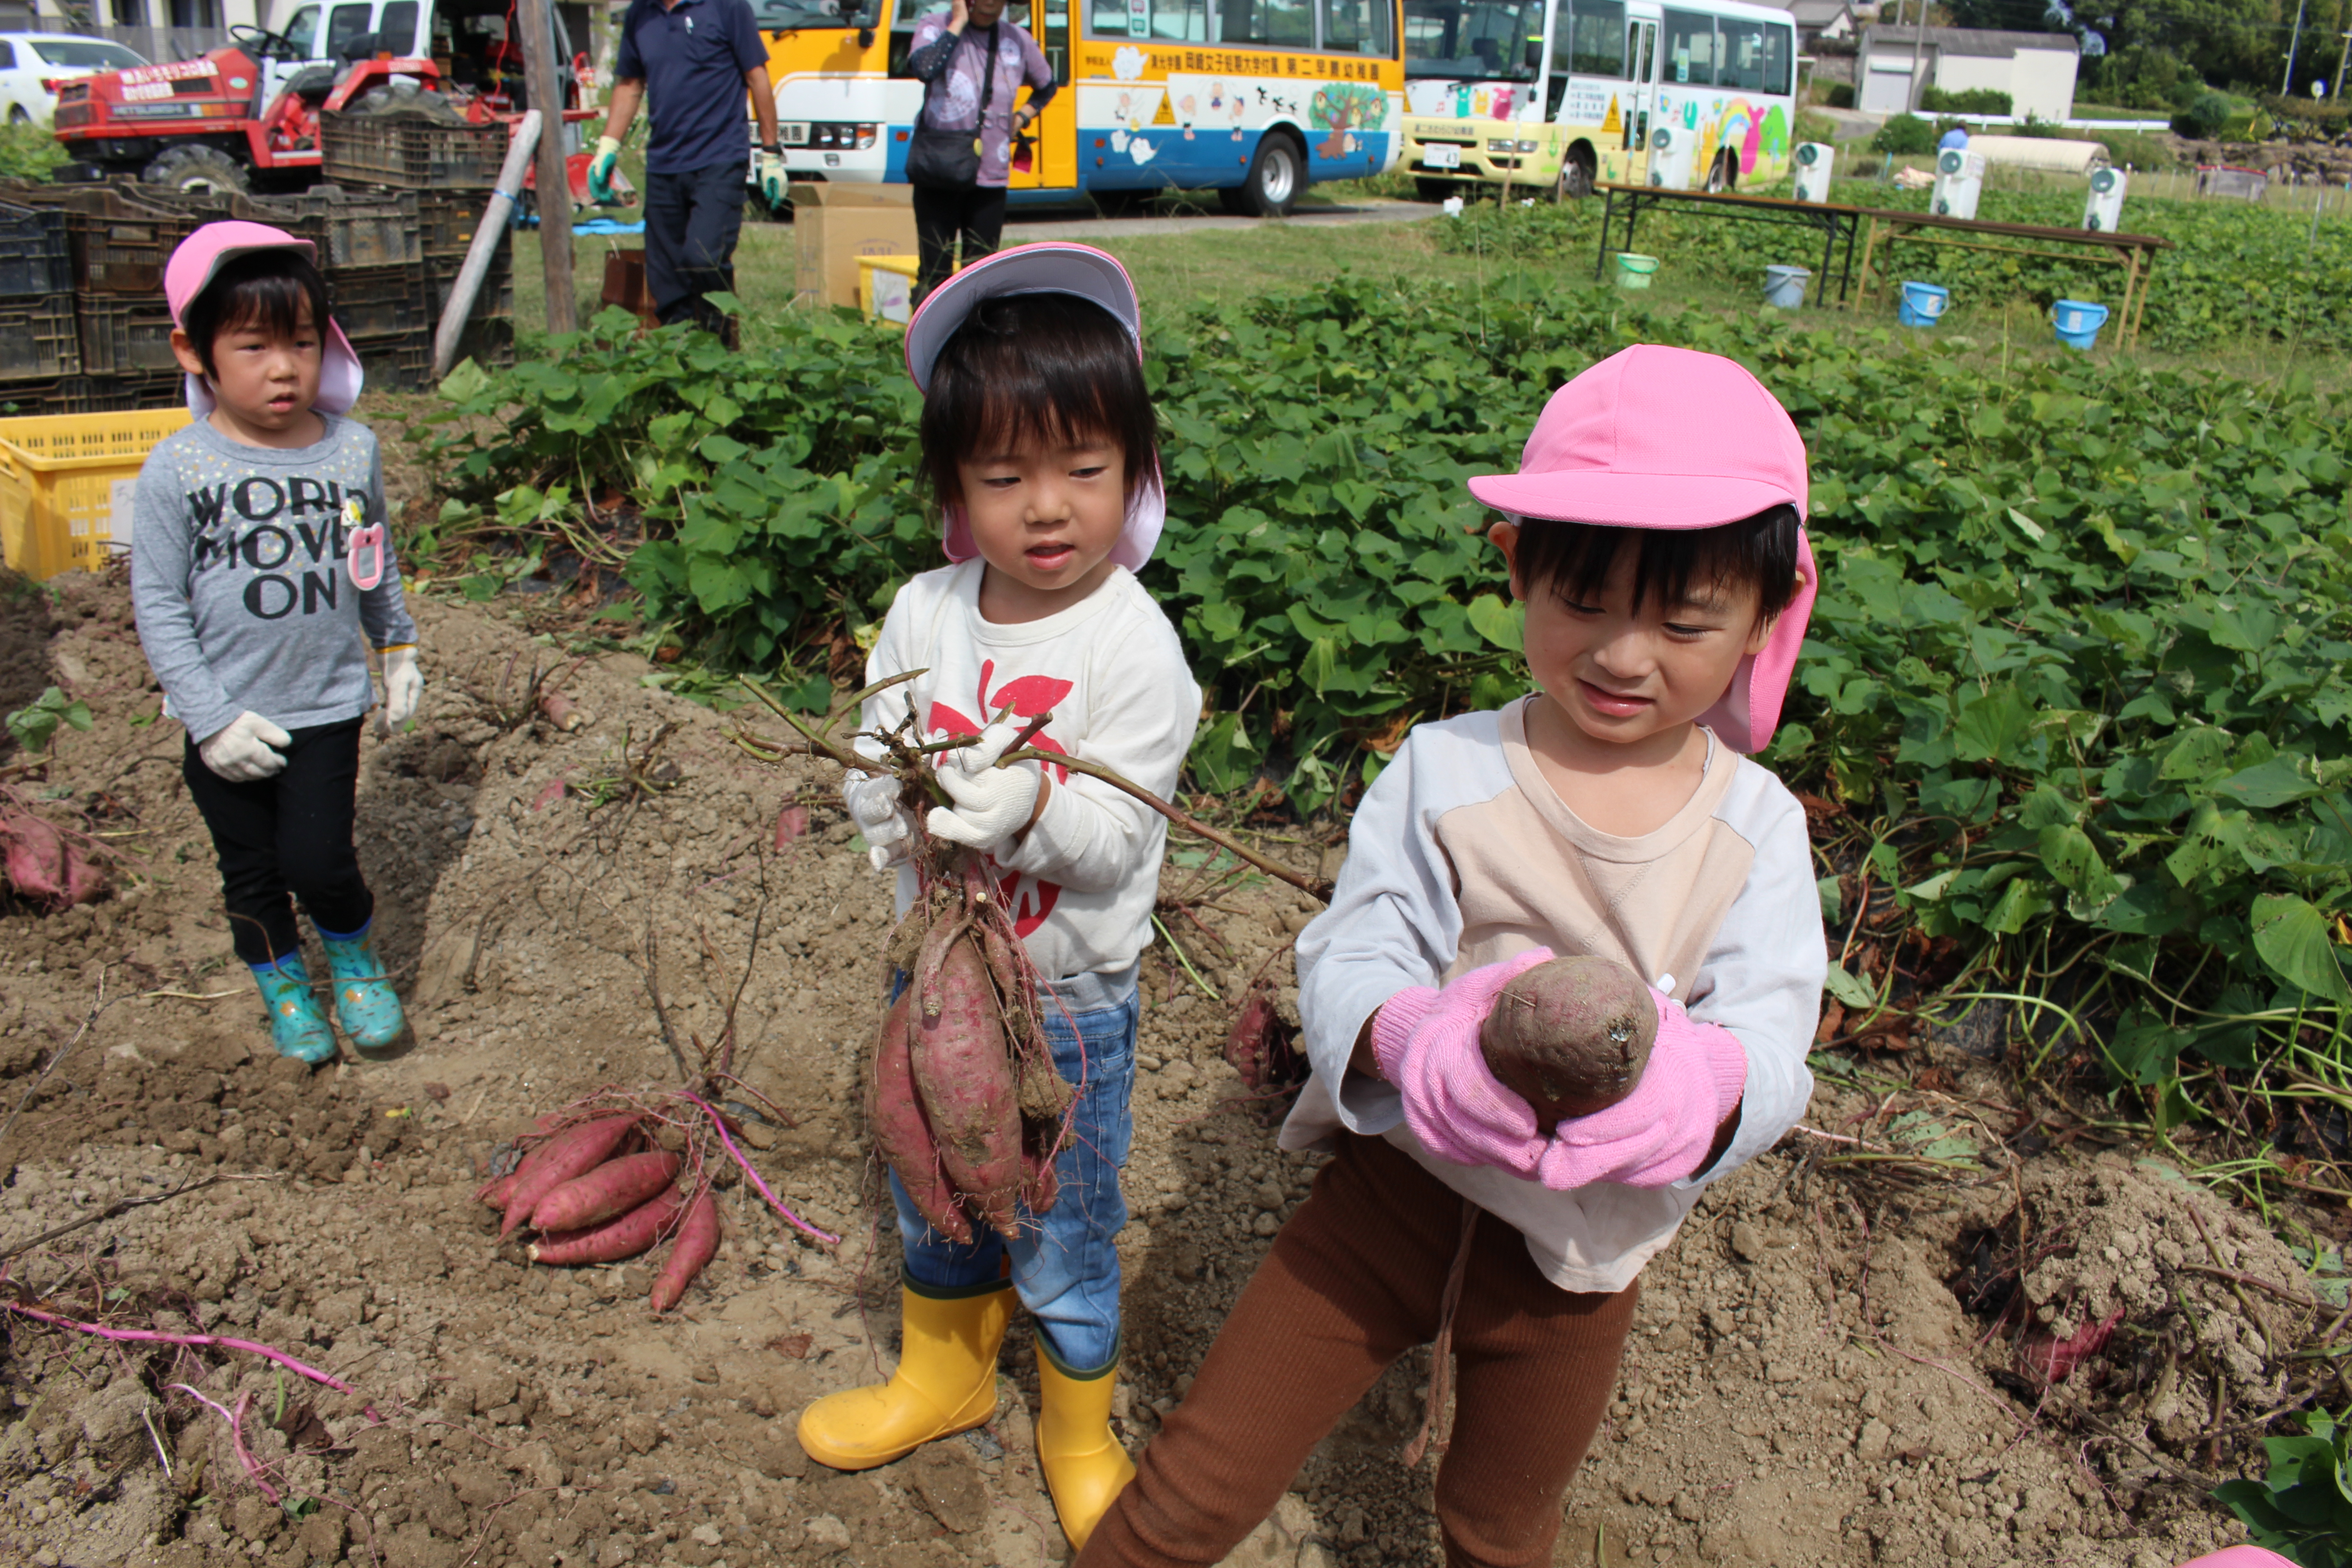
[1554,94]
[1253,99]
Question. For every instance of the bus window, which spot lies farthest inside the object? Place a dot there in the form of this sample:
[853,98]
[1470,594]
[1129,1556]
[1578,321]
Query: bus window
[1777,58]
[1483,40]
[1743,56]
[1358,27]
[1056,43]
[1592,42]
[1286,23]
[1690,49]
[909,14]
[1180,21]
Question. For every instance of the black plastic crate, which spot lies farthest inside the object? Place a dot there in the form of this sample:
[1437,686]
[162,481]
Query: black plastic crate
[119,247]
[446,221]
[489,343]
[493,301]
[122,335]
[378,301]
[37,341]
[411,151]
[35,258]
[400,364]
[119,394]
[363,228]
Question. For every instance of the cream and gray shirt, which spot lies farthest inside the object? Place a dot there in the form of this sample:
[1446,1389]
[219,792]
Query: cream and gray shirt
[239,582]
[1462,854]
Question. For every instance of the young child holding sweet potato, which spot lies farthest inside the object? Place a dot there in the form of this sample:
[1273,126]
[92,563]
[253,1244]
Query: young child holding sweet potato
[1038,441]
[1609,816]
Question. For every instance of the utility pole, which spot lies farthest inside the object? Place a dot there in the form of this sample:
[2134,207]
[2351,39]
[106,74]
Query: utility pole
[2294,41]
[1918,40]
[554,183]
[2335,88]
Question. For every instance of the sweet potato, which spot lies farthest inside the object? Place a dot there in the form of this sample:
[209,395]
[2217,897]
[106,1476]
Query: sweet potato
[1571,1036]
[575,1152]
[696,1244]
[635,1231]
[894,1116]
[1041,1183]
[612,1189]
[494,1191]
[966,1081]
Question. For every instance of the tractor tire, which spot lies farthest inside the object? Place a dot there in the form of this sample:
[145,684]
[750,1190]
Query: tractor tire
[197,170]
[1270,189]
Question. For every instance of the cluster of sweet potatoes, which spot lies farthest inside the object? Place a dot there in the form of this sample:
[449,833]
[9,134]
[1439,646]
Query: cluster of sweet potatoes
[601,1190]
[962,1098]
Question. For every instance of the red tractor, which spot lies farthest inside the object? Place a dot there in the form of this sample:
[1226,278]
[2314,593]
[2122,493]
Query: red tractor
[245,116]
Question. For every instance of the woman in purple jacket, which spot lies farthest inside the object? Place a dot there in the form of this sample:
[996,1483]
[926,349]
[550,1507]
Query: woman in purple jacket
[972,62]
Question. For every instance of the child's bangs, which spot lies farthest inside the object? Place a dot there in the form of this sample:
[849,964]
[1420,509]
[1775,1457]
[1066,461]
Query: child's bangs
[1036,370]
[273,304]
[1670,566]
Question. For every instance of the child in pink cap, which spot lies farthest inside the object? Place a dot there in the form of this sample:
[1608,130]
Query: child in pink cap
[1666,581]
[1038,443]
[263,582]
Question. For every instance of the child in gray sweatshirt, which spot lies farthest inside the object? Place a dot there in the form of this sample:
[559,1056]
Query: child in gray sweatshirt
[261,580]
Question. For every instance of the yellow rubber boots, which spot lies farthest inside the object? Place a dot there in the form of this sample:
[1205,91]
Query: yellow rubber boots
[1086,1468]
[946,1382]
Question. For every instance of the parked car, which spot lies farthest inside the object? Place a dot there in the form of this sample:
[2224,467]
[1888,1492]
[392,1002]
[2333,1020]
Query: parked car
[31,63]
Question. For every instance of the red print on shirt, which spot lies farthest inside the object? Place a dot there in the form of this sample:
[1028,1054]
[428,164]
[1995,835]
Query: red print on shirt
[1029,696]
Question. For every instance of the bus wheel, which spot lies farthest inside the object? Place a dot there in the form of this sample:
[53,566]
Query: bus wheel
[1270,189]
[1575,179]
[1719,175]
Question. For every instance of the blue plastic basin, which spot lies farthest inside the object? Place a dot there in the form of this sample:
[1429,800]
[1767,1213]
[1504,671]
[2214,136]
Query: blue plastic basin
[1922,304]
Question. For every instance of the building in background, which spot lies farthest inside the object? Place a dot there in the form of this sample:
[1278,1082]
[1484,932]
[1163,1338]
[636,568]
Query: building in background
[1819,19]
[2036,70]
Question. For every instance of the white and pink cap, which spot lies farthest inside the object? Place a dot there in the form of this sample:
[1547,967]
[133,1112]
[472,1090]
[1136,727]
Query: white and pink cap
[1055,267]
[198,260]
[1661,437]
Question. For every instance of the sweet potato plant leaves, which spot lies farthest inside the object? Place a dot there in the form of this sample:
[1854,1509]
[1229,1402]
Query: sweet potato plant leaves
[2086,625]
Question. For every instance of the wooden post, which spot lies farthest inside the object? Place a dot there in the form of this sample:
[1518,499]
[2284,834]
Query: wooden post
[540,68]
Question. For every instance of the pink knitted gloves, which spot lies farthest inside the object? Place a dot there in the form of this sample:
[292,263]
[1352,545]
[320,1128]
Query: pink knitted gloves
[1426,1042]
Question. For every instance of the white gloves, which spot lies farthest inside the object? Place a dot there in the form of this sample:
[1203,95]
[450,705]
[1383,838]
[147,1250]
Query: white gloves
[403,684]
[873,802]
[991,804]
[241,754]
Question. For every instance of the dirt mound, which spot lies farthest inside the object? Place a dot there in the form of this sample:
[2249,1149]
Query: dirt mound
[1805,1385]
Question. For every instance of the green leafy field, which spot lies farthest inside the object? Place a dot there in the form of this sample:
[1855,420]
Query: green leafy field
[2077,682]
[2235,271]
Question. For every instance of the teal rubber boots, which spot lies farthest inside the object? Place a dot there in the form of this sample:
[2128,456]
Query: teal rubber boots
[365,1004]
[297,1026]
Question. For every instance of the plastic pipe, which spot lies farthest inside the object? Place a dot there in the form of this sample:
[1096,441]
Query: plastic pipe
[487,235]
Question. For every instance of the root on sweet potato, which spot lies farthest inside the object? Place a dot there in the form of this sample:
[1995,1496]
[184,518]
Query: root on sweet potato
[1571,1036]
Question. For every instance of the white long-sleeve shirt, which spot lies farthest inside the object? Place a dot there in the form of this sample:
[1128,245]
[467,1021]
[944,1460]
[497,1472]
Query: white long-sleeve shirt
[1081,881]
[1462,854]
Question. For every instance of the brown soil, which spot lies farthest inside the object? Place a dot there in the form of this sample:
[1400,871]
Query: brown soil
[1803,1387]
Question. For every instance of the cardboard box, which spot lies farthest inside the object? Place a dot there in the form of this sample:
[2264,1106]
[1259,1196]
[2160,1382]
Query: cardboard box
[839,223]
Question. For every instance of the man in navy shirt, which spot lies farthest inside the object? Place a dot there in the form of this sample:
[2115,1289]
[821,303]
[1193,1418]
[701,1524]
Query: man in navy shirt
[691,61]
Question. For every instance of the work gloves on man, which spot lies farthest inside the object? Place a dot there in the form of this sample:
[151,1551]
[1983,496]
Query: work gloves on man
[600,171]
[773,177]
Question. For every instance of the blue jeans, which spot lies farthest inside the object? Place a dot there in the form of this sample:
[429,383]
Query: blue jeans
[1066,1265]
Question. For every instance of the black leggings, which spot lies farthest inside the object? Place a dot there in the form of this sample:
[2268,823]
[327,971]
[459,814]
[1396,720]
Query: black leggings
[976,212]
[286,837]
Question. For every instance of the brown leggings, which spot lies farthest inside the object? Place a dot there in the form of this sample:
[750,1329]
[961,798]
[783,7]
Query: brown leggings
[1355,1280]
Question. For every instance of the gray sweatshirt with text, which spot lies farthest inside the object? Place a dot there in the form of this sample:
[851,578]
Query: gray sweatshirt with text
[238,581]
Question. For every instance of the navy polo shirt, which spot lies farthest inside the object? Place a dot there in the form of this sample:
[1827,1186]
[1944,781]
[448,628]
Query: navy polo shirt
[692,58]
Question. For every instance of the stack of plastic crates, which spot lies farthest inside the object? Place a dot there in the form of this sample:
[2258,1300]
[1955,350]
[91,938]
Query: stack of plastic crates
[37,346]
[449,170]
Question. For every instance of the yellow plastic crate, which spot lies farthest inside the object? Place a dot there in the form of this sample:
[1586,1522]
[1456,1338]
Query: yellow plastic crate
[886,287]
[68,482]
